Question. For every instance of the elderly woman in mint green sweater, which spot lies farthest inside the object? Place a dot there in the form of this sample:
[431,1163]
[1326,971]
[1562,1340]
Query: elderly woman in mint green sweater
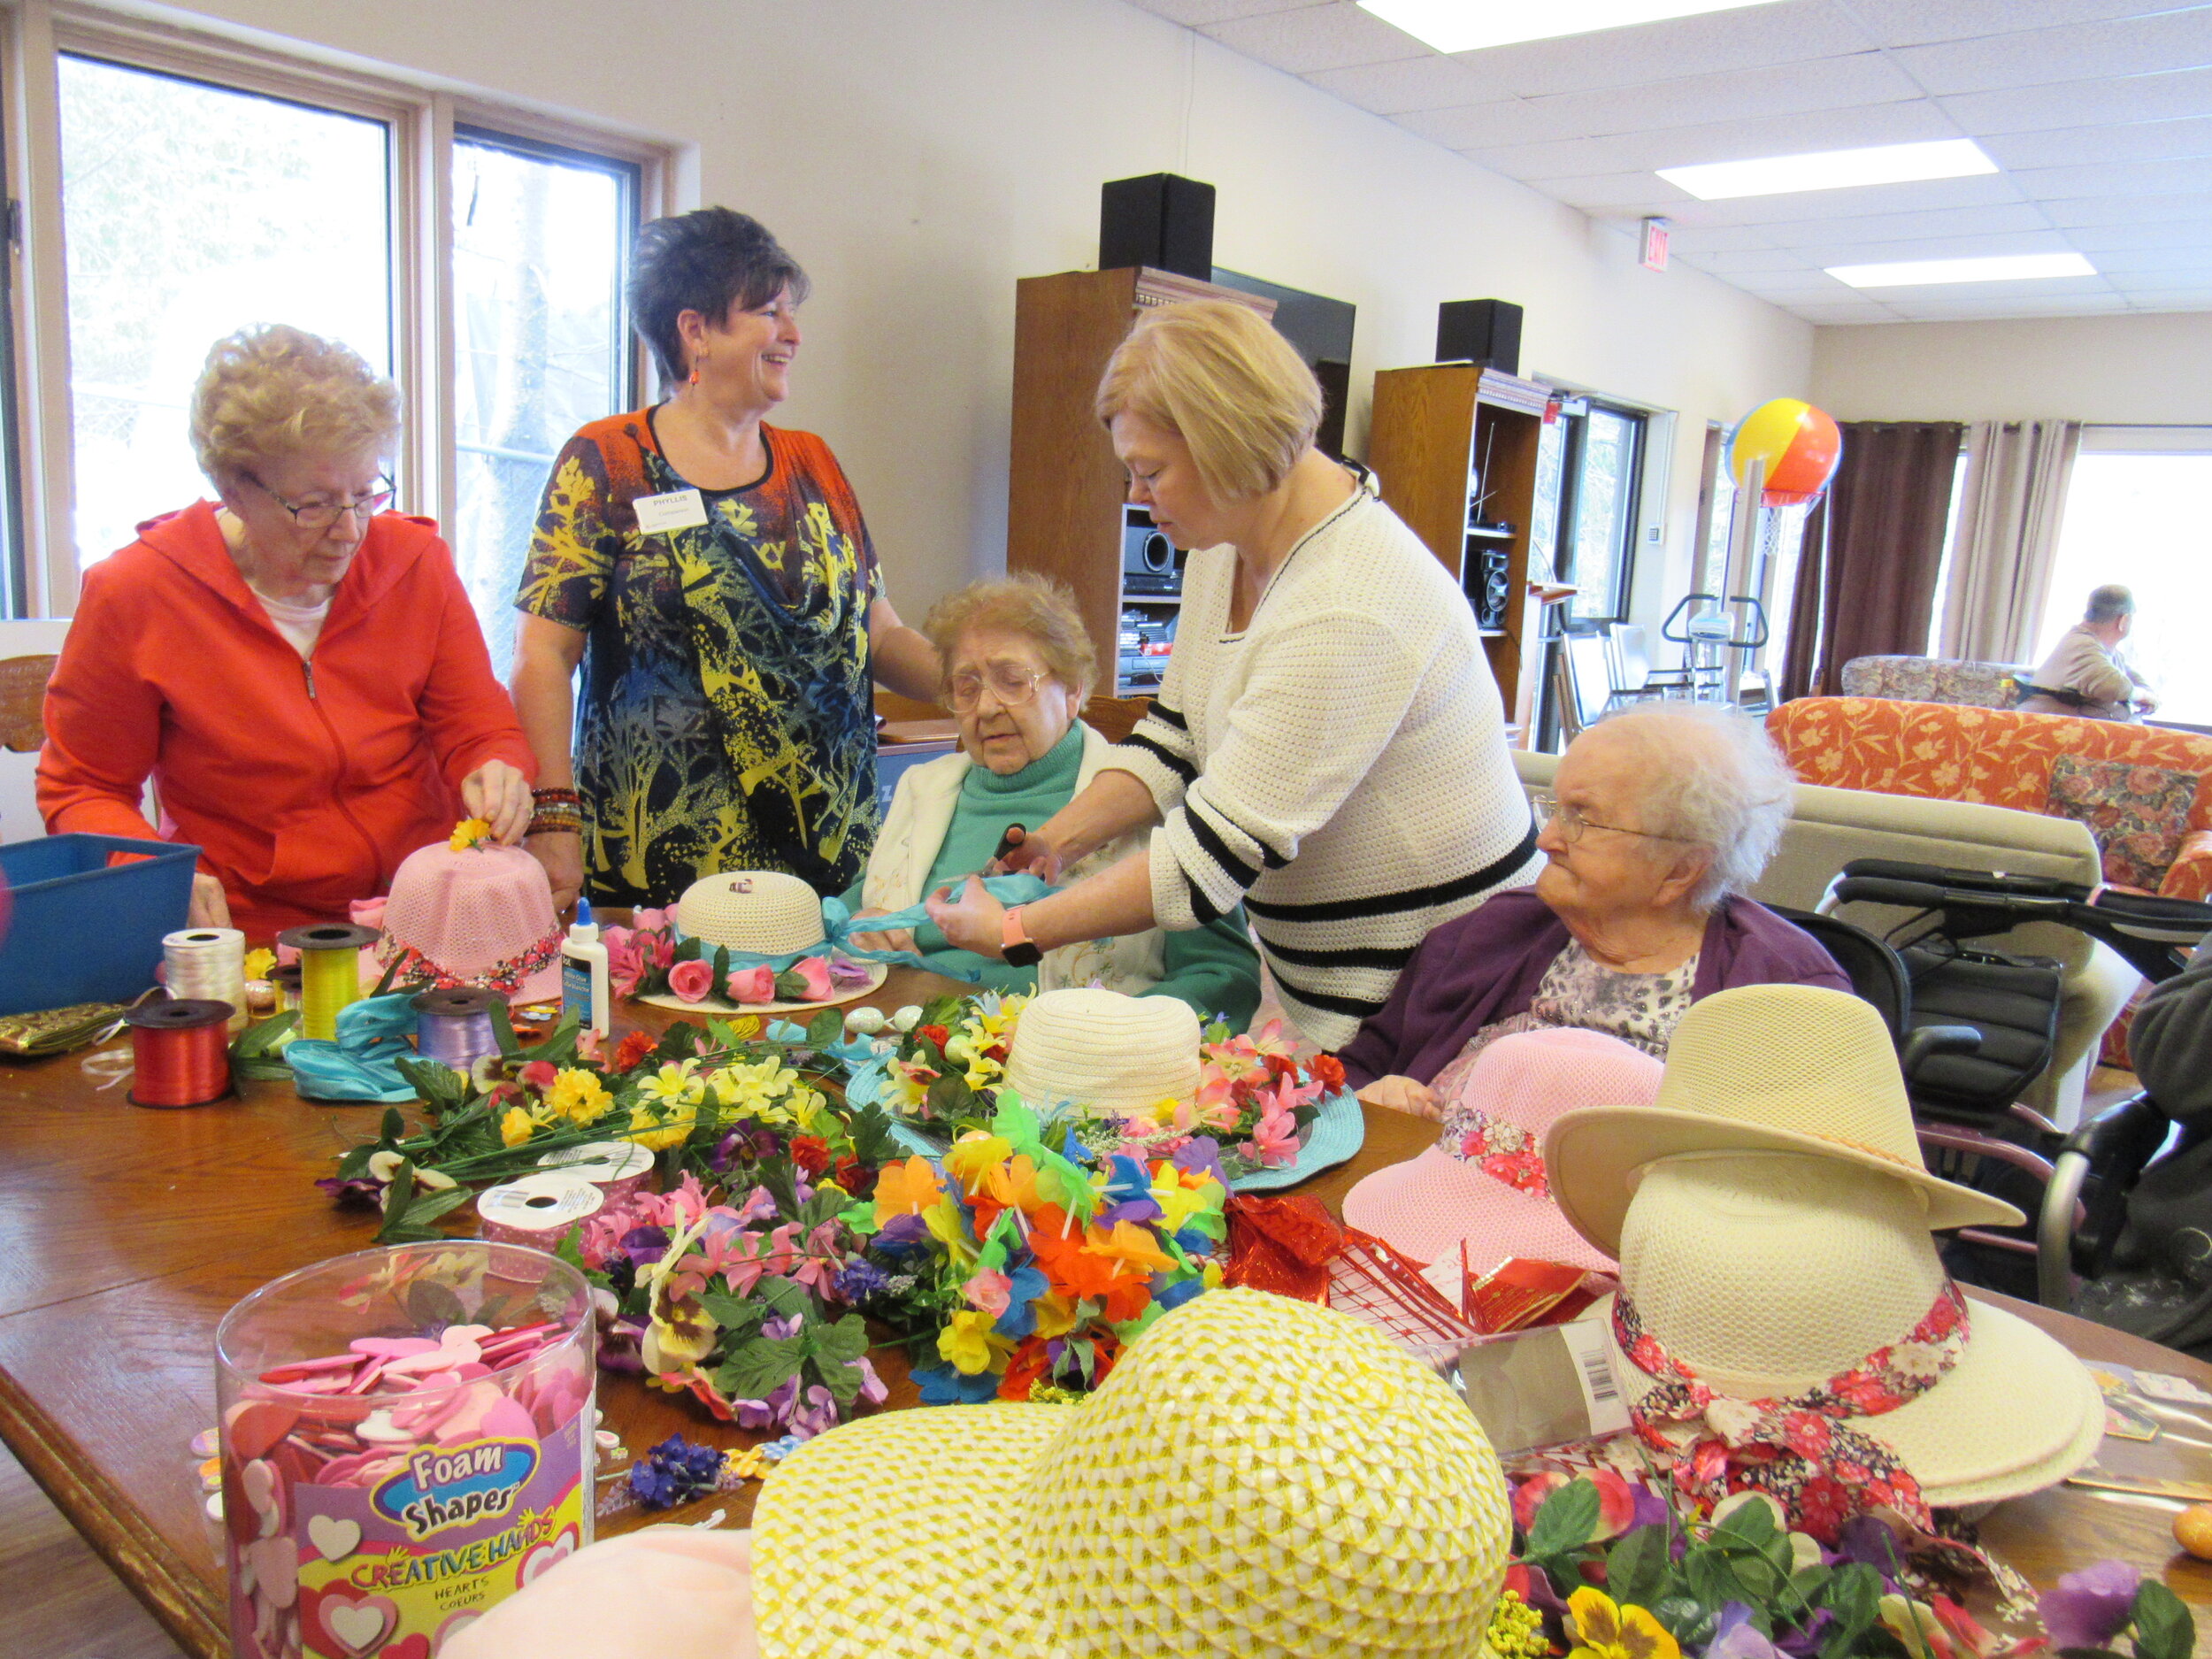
[1018,667]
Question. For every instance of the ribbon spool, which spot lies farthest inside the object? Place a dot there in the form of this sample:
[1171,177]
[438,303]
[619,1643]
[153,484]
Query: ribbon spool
[180,1053]
[207,965]
[537,1210]
[619,1169]
[330,972]
[285,981]
[454,1026]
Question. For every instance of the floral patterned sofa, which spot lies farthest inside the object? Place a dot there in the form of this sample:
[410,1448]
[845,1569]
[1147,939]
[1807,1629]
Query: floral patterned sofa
[2145,793]
[1932,679]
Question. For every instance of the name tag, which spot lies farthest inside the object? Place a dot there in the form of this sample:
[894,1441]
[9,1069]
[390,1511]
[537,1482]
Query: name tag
[678,510]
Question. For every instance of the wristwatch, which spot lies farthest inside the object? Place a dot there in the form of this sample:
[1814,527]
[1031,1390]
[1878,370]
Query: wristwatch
[1015,943]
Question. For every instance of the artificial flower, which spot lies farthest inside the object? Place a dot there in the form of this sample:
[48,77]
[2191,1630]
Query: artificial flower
[906,1190]
[948,1386]
[1600,1628]
[971,1346]
[812,977]
[2090,1607]
[751,985]
[630,1053]
[973,1156]
[649,921]
[675,1084]
[675,1471]
[691,981]
[517,1125]
[1916,1626]
[470,832]
[656,1132]
[260,962]
[988,1292]
[579,1096]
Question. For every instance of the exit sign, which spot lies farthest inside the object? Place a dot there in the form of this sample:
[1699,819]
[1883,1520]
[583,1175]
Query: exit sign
[1655,232]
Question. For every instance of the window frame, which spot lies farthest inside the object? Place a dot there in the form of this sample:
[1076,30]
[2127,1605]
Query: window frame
[423,121]
[1633,507]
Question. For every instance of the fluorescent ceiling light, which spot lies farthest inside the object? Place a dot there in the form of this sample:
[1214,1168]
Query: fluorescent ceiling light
[1468,26]
[2011,267]
[1832,169]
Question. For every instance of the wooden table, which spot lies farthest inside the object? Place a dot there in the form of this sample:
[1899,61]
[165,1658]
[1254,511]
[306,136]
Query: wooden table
[126,1235]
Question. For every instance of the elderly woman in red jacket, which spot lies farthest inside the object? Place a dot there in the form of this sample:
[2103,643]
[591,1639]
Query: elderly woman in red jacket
[297,670]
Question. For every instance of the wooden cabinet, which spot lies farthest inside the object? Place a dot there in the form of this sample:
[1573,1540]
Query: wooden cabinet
[1454,448]
[1066,498]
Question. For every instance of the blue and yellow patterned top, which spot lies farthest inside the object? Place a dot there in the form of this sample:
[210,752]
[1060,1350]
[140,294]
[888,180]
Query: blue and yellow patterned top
[727,720]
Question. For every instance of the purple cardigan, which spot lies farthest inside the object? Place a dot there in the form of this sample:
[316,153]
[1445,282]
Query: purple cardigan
[1479,968]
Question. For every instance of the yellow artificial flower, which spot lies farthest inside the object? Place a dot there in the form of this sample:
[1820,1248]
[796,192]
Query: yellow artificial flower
[260,963]
[973,1157]
[517,1125]
[1132,1244]
[656,1133]
[675,1084]
[1602,1629]
[906,1190]
[1056,1315]
[468,832]
[1013,1184]
[971,1346]
[579,1096]
[946,1225]
[767,1089]
[1177,1202]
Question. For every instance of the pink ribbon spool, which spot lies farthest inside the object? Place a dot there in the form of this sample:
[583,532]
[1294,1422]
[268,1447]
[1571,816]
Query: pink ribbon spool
[619,1169]
[537,1210]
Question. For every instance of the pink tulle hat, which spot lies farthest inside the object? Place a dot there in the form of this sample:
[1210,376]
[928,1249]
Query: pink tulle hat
[481,915]
[1496,1195]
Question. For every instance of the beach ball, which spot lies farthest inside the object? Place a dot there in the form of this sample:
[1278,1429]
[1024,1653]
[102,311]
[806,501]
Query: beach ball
[1799,446]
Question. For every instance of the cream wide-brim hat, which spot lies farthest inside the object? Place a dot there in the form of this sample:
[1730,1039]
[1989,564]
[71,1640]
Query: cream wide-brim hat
[1767,1273]
[1108,1055]
[1258,1475]
[1786,1068]
[764,911]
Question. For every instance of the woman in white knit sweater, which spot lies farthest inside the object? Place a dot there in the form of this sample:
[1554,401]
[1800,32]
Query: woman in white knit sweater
[1328,747]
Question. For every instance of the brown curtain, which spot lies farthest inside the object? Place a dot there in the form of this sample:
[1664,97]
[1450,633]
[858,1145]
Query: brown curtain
[1866,579]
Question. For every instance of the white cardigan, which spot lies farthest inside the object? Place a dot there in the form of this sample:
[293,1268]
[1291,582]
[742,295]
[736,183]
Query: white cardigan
[922,809]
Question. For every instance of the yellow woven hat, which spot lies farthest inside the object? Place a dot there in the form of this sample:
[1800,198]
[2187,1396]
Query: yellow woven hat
[1257,1476]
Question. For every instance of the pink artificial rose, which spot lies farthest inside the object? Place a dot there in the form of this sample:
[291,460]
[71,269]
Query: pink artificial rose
[753,985]
[649,921]
[988,1293]
[692,980]
[815,973]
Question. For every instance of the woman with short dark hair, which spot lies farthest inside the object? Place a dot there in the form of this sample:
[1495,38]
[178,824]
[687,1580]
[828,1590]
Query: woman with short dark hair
[714,577]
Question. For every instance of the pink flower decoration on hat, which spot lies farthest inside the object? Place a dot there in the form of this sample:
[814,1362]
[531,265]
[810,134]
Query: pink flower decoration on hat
[815,973]
[753,985]
[691,981]
[649,921]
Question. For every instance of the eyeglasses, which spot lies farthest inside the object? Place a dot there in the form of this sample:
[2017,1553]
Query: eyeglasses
[321,515]
[1012,686]
[1571,823]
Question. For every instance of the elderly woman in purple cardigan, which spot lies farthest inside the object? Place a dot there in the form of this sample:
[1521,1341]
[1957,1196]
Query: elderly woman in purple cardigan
[1662,815]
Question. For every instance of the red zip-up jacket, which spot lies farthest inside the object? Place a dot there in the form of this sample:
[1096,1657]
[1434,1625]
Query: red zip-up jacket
[304,782]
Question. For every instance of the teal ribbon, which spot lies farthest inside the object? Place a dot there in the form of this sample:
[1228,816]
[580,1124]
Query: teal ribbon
[361,1062]
[838,929]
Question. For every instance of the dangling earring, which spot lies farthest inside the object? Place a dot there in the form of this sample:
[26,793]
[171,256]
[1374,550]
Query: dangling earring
[695,362]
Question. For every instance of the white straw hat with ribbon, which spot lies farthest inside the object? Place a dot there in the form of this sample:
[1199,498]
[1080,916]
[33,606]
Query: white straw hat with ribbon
[1784,1068]
[764,911]
[1110,1054]
[1779,1276]
[1257,1476]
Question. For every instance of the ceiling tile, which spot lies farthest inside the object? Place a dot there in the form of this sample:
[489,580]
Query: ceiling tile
[2197,299]
[2169,95]
[1861,200]
[2024,310]
[2012,295]
[1433,82]
[2126,261]
[1336,35]
[1197,12]
[1868,252]
[1927,222]
[1728,141]
[1701,239]
[1793,286]
[2118,178]
[1724,262]
[2123,46]
[1787,32]
[2169,233]
[1619,192]
[1913,22]
[1842,316]
[2078,146]
[2128,210]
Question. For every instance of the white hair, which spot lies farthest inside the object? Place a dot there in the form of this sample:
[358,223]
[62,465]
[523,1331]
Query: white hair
[1713,779]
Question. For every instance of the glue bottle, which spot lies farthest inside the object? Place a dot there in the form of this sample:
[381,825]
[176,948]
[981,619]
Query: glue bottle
[584,991]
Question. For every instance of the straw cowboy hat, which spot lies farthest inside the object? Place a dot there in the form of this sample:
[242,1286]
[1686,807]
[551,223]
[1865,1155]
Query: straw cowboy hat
[1258,1475]
[1782,1068]
[1498,1203]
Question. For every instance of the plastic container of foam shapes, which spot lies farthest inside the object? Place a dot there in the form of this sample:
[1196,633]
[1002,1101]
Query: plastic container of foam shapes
[82,929]
[406,1440]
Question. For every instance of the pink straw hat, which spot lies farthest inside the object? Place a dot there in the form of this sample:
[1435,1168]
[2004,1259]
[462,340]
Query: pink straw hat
[1501,1203]
[474,915]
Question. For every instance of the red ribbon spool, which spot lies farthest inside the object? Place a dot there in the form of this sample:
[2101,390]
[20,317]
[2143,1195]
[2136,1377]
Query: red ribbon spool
[182,1053]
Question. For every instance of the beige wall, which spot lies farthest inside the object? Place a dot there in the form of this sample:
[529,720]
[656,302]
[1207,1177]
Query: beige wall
[2155,368]
[920,157]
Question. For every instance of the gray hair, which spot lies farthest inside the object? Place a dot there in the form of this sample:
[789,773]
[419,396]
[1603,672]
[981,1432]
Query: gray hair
[1715,780]
[2109,602]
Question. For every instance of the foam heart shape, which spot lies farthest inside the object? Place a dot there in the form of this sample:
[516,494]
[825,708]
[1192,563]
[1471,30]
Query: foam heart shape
[359,1627]
[334,1536]
[417,1646]
[454,1626]
[545,1557]
[276,1570]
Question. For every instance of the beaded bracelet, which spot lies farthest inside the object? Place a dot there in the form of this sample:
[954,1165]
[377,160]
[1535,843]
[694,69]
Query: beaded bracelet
[545,797]
[556,824]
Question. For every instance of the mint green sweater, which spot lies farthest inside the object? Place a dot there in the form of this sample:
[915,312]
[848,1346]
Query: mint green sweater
[1214,969]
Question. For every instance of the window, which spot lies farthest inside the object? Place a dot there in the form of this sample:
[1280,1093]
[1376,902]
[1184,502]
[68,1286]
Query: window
[1600,485]
[541,239]
[474,254]
[2135,514]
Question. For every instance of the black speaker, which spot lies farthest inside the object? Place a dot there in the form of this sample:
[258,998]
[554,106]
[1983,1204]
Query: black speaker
[1147,562]
[1486,332]
[1490,585]
[1162,220]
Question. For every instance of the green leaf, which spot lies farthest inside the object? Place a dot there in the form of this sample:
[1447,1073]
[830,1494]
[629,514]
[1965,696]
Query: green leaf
[429,1302]
[503,1030]
[1854,1597]
[1565,1520]
[1690,1625]
[738,1316]
[393,1126]
[836,1344]
[783,1297]
[1749,1527]
[825,1028]
[2164,1627]
[949,1097]
[755,1368]
[1636,1566]
[842,1382]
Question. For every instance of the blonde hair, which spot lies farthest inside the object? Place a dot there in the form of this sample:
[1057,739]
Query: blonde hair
[1219,376]
[1038,607]
[272,392]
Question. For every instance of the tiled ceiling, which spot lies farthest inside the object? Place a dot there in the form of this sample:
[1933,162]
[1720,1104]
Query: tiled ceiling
[2097,112]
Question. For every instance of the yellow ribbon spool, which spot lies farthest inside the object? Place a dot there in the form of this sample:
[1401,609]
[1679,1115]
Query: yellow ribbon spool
[330,972]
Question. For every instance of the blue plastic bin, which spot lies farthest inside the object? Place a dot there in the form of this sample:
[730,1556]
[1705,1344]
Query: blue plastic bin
[82,929]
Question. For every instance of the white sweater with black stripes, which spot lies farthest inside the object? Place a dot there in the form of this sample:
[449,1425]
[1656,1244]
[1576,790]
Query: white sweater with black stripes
[1340,766]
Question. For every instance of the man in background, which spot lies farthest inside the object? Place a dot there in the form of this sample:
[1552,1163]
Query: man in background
[2088,675]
